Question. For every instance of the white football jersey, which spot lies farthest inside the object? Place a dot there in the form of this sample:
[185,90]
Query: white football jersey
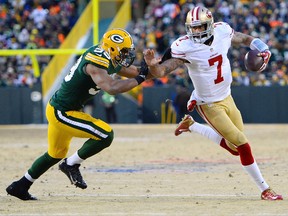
[208,67]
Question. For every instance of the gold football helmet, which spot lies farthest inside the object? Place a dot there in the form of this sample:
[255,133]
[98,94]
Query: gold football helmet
[196,18]
[119,44]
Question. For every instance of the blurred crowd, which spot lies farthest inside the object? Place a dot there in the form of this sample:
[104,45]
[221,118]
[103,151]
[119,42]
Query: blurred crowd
[30,24]
[164,21]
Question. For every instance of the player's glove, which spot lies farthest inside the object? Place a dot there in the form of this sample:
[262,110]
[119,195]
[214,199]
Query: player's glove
[266,54]
[143,72]
[191,105]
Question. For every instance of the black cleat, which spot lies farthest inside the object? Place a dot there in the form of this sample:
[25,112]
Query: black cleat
[73,174]
[22,193]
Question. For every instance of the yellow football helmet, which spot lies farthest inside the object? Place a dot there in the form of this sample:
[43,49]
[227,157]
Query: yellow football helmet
[119,44]
[197,17]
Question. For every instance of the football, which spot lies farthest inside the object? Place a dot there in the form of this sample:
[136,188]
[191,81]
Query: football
[253,62]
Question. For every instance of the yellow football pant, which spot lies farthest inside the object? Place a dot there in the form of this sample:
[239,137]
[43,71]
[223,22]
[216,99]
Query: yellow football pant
[63,126]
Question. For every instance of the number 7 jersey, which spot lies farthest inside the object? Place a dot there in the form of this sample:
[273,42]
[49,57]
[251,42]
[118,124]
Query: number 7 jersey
[208,66]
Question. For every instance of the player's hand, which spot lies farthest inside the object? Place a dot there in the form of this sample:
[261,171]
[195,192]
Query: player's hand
[149,56]
[191,105]
[266,56]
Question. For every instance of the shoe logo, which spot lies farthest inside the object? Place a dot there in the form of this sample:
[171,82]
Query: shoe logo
[71,179]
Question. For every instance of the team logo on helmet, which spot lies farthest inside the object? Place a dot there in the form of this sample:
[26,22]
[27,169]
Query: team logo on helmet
[117,38]
[209,14]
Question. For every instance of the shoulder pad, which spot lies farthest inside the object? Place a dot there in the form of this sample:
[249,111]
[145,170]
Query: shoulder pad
[97,56]
[223,27]
[180,46]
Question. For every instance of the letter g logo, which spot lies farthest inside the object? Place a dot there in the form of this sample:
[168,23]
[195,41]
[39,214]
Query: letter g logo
[117,38]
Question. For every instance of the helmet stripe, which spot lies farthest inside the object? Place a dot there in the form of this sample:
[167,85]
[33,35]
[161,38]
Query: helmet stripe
[195,14]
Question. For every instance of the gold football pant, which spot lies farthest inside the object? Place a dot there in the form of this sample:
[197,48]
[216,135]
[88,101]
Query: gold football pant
[63,126]
[226,120]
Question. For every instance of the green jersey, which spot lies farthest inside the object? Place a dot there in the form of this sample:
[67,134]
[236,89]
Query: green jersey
[78,87]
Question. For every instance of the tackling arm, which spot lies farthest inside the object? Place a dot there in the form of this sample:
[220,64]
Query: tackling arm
[102,79]
[133,71]
[130,72]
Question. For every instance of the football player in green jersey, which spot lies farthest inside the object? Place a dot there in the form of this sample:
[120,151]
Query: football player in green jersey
[90,74]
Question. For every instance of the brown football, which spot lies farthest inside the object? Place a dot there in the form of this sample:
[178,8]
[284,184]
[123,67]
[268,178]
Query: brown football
[253,62]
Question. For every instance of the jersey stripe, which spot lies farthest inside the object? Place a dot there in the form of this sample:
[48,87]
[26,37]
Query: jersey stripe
[178,54]
[80,125]
[97,60]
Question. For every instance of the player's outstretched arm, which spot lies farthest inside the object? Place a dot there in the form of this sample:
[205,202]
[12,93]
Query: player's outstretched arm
[114,86]
[163,69]
[133,71]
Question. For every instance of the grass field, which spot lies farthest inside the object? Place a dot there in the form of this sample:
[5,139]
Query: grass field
[148,171]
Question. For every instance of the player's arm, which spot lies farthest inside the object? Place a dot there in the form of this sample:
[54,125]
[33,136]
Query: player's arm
[102,79]
[166,67]
[241,39]
[254,44]
[133,71]
[130,72]
[158,67]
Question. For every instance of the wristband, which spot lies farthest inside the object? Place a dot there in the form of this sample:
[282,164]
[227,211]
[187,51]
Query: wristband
[258,44]
[139,79]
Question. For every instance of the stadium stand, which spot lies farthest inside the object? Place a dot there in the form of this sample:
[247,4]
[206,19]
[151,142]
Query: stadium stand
[30,24]
[163,22]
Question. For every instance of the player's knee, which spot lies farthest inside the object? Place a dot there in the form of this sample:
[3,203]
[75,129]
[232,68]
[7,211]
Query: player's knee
[108,140]
[240,139]
[58,153]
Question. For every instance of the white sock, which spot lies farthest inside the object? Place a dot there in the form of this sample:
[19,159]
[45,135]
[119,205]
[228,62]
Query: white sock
[74,159]
[206,131]
[27,176]
[254,171]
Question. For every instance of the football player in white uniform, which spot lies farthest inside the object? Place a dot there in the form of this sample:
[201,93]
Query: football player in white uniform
[204,52]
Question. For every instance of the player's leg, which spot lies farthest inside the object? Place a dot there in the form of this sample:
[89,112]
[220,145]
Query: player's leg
[252,169]
[226,119]
[20,188]
[100,136]
[188,124]
[214,136]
